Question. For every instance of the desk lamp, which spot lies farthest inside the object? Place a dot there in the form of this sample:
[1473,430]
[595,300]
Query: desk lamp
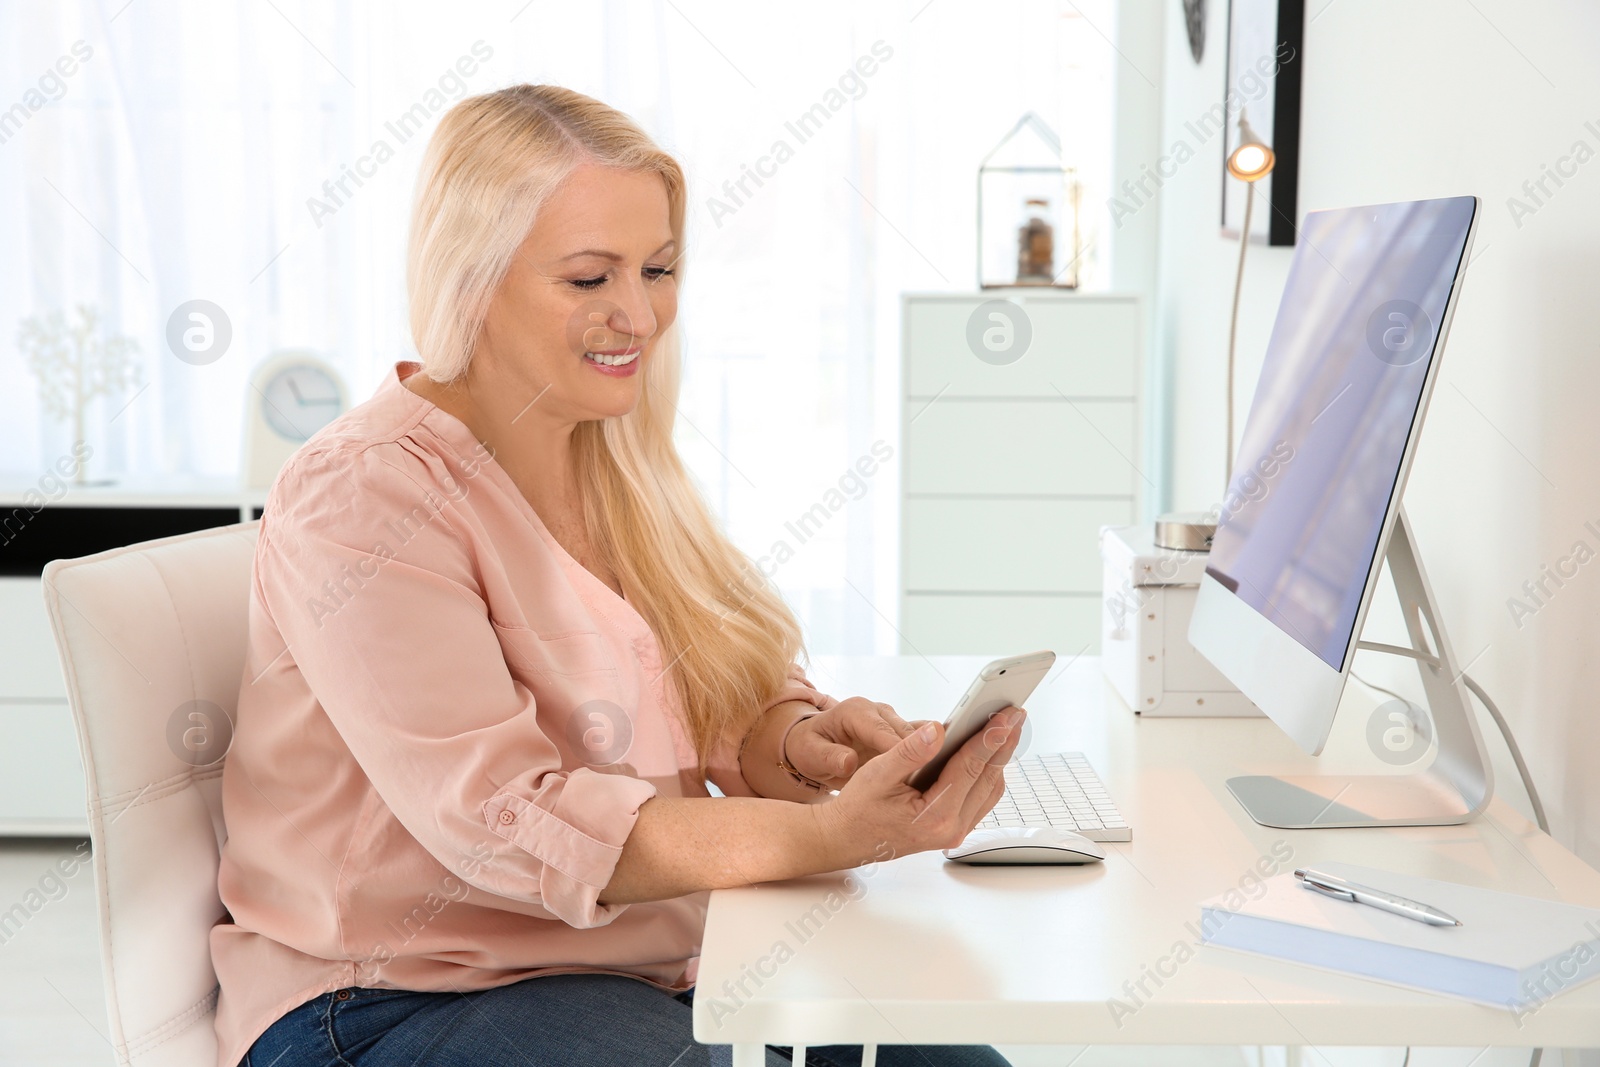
[1250,162]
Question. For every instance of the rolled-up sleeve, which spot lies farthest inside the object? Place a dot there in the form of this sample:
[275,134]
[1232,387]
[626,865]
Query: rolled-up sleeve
[377,598]
[722,767]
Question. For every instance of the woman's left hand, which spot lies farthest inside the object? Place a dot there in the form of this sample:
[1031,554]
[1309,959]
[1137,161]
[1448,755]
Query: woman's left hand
[830,745]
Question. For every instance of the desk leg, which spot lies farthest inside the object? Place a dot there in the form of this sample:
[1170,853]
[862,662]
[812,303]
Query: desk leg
[756,1056]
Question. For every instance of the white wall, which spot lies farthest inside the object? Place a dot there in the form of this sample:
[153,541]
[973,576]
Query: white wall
[1136,239]
[1405,101]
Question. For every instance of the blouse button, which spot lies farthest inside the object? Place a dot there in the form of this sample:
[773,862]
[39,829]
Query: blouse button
[343,994]
[508,817]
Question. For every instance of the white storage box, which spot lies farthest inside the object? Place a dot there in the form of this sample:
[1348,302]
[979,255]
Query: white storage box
[1148,597]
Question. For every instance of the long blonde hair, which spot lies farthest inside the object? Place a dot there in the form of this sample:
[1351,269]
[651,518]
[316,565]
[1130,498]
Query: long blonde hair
[490,165]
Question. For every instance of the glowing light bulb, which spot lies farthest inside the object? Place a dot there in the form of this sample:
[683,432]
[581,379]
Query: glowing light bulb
[1249,158]
[1252,160]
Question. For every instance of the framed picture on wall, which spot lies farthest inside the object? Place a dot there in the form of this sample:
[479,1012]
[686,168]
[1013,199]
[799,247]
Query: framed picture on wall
[1265,38]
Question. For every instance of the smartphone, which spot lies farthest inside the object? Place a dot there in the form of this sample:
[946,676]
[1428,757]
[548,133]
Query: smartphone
[1002,684]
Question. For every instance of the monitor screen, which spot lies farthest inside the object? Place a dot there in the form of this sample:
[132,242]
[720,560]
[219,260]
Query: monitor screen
[1343,376]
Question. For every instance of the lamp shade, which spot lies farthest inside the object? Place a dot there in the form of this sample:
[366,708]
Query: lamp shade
[1253,159]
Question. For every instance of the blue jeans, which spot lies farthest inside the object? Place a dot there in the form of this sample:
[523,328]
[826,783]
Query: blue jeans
[564,1020]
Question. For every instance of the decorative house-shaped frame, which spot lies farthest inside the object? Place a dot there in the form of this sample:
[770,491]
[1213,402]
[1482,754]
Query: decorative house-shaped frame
[1022,241]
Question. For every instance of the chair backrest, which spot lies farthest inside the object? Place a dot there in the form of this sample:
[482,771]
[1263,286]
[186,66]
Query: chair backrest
[152,640]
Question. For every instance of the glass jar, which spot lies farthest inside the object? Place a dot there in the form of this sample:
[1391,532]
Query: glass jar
[1036,244]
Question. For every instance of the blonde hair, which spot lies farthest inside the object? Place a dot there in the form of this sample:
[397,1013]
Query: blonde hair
[728,637]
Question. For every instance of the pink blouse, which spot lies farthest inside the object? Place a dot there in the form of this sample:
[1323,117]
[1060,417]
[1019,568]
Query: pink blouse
[445,730]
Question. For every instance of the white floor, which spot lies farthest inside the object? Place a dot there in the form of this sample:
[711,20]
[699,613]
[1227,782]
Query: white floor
[1213,1056]
[52,1004]
[53,1014]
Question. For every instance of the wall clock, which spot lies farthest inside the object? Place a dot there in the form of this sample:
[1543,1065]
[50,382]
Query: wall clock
[1194,17]
[292,395]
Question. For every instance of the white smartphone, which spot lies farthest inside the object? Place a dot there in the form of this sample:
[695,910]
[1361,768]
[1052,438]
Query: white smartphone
[1004,683]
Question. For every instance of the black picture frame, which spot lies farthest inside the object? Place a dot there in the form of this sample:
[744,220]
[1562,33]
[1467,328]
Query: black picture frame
[1265,45]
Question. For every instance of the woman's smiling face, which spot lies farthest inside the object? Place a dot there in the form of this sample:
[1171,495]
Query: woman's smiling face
[586,299]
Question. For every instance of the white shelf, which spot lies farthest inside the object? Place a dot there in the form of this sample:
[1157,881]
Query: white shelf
[19,489]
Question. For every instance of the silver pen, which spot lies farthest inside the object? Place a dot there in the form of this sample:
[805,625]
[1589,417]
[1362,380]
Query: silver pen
[1339,889]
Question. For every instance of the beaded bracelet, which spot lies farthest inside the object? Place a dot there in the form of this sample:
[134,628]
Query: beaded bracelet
[788,768]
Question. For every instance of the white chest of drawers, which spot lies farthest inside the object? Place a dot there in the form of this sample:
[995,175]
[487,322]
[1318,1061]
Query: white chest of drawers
[1011,464]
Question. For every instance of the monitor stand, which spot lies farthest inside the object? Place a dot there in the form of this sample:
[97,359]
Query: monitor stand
[1452,790]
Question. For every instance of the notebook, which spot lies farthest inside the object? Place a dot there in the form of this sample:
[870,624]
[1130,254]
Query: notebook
[1511,951]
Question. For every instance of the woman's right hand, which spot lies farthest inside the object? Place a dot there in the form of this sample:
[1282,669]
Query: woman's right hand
[876,808]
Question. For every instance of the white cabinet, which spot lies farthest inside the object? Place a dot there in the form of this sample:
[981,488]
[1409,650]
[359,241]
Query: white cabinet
[42,789]
[41,779]
[1010,464]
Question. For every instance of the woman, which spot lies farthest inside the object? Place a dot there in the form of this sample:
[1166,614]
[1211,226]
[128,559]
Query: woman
[498,646]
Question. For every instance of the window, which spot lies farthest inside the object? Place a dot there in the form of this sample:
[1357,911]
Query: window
[261,156]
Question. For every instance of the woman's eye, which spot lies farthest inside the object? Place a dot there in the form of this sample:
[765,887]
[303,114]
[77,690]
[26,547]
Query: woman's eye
[655,274]
[589,283]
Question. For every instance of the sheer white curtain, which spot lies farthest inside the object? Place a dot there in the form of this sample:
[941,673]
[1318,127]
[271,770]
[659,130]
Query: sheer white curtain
[261,155]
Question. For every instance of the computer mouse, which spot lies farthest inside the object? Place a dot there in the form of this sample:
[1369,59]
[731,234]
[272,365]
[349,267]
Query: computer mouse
[1026,844]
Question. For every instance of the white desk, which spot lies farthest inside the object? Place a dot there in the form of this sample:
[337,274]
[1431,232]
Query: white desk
[927,952]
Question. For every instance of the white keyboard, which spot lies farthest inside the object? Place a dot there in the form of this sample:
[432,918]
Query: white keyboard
[1058,789]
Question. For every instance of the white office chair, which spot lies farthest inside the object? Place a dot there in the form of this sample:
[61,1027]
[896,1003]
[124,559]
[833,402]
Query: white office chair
[144,632]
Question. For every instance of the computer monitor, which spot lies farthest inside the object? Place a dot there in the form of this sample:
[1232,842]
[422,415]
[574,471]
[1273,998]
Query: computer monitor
[1313,505]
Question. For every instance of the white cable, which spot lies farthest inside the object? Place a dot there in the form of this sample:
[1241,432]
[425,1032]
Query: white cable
[1381,689]
[1494,713]
[1516,754]
[1398,650]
